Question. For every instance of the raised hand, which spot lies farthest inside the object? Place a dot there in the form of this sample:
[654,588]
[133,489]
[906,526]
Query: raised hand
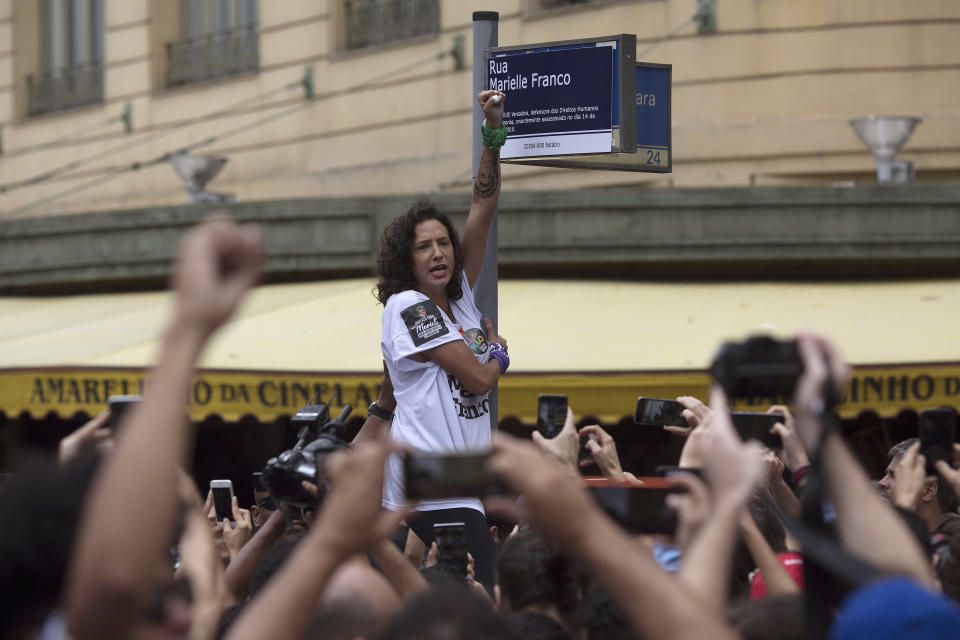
[950,473]
[94,433]
[910,479]
[564,447]
[733,468]
[692,506]
[822,364]
[694,413]
[604,451]
[218,262]
[351,520]
[238,534]
[793,454]
[492,104]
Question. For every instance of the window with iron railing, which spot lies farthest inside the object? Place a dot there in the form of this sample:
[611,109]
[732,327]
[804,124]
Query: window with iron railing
[369,23]
[65,88]
[70,72]
[555,4]
[218,39]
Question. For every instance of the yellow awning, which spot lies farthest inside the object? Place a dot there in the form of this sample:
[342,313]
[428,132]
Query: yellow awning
[600,342]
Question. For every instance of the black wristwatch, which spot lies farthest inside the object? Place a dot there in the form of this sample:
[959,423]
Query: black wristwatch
[376,410]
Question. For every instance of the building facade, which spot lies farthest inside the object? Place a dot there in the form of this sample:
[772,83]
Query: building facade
[317,98]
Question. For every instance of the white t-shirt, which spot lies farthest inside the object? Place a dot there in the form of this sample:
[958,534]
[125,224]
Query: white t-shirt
[435,412]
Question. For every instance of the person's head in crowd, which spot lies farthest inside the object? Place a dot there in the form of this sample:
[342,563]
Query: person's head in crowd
[271,562]
[167,613]
[449,614]
[42,505]
[395,266]
[227,618]
[771,618]
[536,626]
[937,499]
[356,603]
[894,609]
[217,527]
[769,525]
[500,528]
[947,565]
[601,618]
[533,575]
[442,575]
[262,507]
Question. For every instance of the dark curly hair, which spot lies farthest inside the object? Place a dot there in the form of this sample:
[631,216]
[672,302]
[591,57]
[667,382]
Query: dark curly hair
[395,253]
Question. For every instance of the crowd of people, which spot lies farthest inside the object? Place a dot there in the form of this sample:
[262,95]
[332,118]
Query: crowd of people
[113,540]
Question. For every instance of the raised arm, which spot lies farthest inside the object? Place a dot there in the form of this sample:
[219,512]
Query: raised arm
[376,425]
[733,469]
[658,605]
[130,511]
[486,191]
[350,522]
[866,525]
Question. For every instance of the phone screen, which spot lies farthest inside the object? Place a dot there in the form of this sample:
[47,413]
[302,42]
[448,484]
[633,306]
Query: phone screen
[551,414]
[665,470]
[257,479]
[451,540]
[638,510]
[752,425]
[584,453]
[938,432]
[222,499]
[434,476]
[119,405]
[660,412]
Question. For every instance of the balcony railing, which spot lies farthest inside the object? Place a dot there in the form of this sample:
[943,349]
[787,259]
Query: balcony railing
[374,22]
[65,88]
[213,55]
[556,4]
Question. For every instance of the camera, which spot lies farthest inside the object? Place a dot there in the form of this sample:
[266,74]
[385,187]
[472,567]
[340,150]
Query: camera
[758,367]
[318,437]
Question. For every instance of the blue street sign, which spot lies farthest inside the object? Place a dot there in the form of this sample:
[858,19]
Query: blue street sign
[566,98]
[653,117]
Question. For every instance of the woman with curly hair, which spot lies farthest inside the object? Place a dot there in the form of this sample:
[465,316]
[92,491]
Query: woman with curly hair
[442,357]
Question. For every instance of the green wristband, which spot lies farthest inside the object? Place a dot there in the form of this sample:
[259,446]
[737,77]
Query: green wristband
[493,138]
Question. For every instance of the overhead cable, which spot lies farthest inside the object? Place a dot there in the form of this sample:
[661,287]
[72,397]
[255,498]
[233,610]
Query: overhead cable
[106,153]
[245,128]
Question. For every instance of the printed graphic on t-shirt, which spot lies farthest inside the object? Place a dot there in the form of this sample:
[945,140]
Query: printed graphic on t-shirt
[424,322]
[477,340]
[469,405]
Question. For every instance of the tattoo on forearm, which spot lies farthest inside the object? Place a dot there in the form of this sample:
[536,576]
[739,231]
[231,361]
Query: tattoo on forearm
[488,175]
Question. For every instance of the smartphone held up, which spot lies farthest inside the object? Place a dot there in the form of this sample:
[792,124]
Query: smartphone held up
[222,499]
[432,476]
[551,414]
[659,412]
[938,432]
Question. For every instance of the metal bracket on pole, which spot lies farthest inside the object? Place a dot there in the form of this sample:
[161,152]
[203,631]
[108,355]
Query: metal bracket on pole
[485,35]
[127,118]
[307,82]
[706,16]
[459,52]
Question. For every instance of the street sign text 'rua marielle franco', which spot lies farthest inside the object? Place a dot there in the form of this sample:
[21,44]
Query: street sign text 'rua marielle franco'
[584,104]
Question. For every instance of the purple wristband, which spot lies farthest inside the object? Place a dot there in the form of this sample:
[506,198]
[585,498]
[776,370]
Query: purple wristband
[497,351]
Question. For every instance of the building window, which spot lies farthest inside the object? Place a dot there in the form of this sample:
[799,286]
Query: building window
[375,22]
[556,4]
[218,38]
[71,56]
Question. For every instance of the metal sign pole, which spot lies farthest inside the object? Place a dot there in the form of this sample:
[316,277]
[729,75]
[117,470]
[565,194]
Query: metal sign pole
[485,35]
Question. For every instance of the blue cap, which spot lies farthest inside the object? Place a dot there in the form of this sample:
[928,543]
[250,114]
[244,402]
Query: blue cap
[896,608]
